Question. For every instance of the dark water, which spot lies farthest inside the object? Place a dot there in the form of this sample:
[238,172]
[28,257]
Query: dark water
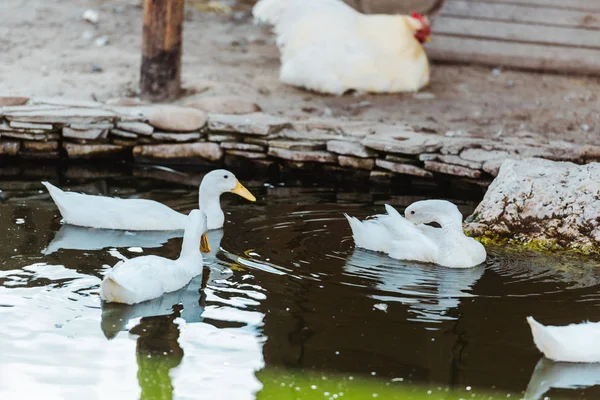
[285,307]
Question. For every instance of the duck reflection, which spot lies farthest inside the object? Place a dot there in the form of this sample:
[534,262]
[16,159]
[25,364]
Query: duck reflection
[549,374]
[428,290]
[78,238]
[191,299]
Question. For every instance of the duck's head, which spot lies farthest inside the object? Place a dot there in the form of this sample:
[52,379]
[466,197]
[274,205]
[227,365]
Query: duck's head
[426,211]
[222,181]
[198,220]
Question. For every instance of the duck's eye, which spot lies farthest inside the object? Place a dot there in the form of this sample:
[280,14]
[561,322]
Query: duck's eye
[226,176]
[412,213]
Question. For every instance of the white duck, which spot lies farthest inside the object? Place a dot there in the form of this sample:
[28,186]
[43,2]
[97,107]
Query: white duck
[400,238]
[145,215]
[148,277]
[571,343]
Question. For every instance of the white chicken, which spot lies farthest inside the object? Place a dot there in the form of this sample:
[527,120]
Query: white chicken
[329,47]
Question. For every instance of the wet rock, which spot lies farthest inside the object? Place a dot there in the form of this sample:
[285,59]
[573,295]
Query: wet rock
[84,134]
[80,151]
[177,137]
[242,146]
[403,142]
[356,162]
[250,124]
[204,150]
[26,125]
[51,145]
[123,134]
[404,169]
[66,115]
[349,148]
[547,202]
[9,147]
[455,170]
[136,127]
[39,155]
[12,101]
[177,119]
[306,156]
[246,154]
[224,105]
[297,145]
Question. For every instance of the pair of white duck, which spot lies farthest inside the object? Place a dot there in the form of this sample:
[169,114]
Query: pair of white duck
[148,277]
[407,238]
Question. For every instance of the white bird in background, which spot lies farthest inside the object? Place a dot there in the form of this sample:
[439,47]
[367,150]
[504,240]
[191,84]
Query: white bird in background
[409,239]
[329,47]
[145,215]
[148,277]
[578,343]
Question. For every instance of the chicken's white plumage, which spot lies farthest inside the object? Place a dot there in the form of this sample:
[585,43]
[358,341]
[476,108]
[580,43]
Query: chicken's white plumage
[329,47]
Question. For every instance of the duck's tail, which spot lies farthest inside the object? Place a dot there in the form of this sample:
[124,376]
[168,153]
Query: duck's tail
[112,292]
[544,339]
[57,196]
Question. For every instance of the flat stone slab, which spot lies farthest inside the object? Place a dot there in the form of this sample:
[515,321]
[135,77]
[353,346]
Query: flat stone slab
[455,170]
[177,137]
[30,136]
[123,134]
[205,150]
[75,150]
[356,162]
[246,154]
[350,149]
[224,105]
[242,146]
[404,169]
[140,128]
[27,125]
[60,116]
[51,145]
[553,204]
[404,142]
[297,145]
[12,101]
[87,134]
[306,156]
[250,124]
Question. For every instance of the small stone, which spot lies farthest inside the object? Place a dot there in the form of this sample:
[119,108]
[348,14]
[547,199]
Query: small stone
[177,137]
[246,154]
[428,157]
[256,140]
[242,146]
[205,150]
[9,148]
[75,150]
[136,127]
[6,101]
[101,41]
[177,119]
[356,162]
[308,156]
[50,145]
[251,124]
[91,16]
[123,134]
[26,125]
[297,145]
[222,137]
[405,169]
[349,148]
[88,134]
[96,69]
[224,105]
[455,170]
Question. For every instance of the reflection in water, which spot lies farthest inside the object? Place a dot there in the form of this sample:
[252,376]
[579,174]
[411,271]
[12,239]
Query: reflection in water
[428,290]
[548,374]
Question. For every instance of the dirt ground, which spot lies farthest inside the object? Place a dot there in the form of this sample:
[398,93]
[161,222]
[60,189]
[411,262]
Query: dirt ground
[47,49]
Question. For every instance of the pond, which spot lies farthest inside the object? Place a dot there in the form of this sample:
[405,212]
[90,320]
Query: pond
[286,308]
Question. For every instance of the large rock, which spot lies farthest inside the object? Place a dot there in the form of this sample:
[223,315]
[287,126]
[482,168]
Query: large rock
[544,202]
[178,119]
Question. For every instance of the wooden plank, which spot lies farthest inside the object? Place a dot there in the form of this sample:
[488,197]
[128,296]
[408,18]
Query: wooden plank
[516,32]
[583,5]
[519,13]
[518,55]
[161,50]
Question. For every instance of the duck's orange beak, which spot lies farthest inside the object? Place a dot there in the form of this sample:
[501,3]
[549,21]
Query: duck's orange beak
[240,190]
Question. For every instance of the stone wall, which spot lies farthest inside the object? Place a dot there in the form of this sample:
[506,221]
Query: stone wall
[50,129]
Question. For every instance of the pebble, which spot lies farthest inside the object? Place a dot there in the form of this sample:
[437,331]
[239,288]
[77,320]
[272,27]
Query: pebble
[101,41]
[91,16]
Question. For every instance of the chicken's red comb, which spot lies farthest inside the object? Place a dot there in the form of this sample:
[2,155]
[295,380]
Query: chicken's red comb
[416,15]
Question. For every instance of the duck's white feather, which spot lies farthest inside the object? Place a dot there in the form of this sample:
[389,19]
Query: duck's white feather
[570,343]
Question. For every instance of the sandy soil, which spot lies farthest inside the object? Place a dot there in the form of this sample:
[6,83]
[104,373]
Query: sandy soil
[46,49]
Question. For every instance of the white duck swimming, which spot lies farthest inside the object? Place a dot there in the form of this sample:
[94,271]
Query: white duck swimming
[576,343]
[148,277]
[400,238]
[145,215]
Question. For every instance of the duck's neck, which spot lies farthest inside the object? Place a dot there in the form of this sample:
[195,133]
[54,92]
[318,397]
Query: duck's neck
[452,230]
[191,243]
[209,202]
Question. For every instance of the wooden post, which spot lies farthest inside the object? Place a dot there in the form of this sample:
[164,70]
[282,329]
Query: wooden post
[161,51]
